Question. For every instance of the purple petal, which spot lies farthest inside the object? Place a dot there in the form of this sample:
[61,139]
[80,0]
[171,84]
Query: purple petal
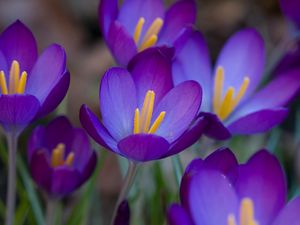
[47,71]
[151,70]
[211,198]
[262,179]
[56,95]
[181,105]
[143,147]
[132,10]
[192,62]
[89,167]
[277,93]
[118,102]
[289,214]
[215,128]
[120,43]
[189,137]
[107,12]
[178,16]
[178,216]
[40,169]
[123,214]
[36,141]
[258,122]
[3,64]
[243,55]
[291,9]
[96,130]
[64,181]
[18,43]
[17,111]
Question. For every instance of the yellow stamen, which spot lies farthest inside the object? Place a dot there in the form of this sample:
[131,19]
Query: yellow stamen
[22,83]
[218,88]
[3,83]
[226,106]
[153,29]
[144,110]
[149,43]
[149,111]
[57,158]
[138,30]
[157,122]
[14,77]
[241,92]
[231,220]
[70,159]
[136,126]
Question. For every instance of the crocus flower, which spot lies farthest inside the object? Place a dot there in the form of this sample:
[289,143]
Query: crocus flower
[60,157]
[232,101]
[30,86]
[140,24]
[290,8]
[143,117]
[219,191]
[123,214]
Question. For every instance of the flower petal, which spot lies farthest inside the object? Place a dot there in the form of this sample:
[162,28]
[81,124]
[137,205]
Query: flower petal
[107,12]
[178,16]
[211,198]
[56,95]
[49,68]
[189,137]
[262,179]
[132,10]
[18,43]
[96,130]
[290,9]
[289,214]
[118,102]
[178,216]
[36,141]
[17,111]
[88,167]
[64,181]
[143,147]
[123,214]
[192,62]
[243,55]
[257,122]
[181,105]
[3,64]
[120,43]
[215,128]
[151,70]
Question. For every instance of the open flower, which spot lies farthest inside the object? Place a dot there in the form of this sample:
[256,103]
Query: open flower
[231,101]
[291,10]
[60,157]
[30,86]
[143,117]
[219,191]
[140,24]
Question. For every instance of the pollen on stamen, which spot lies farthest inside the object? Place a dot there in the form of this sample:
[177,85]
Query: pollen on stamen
[138,30]
[22,83]
[70,159]
[3,83]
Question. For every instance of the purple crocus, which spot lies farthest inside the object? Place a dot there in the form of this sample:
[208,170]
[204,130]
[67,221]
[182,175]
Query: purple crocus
[232,101]
[30,86]
[140,24]
[143,117]
[291,10]
[60,157]
[219,191]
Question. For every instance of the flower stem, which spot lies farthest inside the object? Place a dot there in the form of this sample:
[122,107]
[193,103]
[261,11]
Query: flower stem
[130,175]
[12,140]
[50,214]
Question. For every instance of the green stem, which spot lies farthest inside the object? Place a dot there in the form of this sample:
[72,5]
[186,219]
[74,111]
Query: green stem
[131,172]
[50,214]
[12,140]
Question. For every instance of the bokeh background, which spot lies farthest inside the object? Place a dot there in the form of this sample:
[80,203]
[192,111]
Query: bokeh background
[74,25]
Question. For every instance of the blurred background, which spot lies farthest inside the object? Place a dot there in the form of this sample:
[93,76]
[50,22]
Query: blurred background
[74,25]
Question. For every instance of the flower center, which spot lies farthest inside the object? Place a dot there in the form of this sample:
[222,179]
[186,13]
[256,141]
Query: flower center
[223,107]
[142,121]
[58,156]
[150,38]
[17,82]
[246,214]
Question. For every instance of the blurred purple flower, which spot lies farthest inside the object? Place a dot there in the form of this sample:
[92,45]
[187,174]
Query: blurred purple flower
[291,10]
[140,24]
[123,214]
[60,157]
[219,191]
[231,102]
[30,86]
[143,117]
